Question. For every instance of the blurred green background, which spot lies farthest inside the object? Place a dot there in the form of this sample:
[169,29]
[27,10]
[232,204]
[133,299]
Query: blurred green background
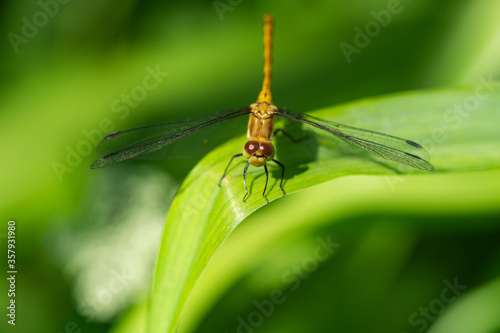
[87,240]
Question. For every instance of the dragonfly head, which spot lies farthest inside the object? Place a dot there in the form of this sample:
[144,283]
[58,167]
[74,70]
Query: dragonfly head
[258,152]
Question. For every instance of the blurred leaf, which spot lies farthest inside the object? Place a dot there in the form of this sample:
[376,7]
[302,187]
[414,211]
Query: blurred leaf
[457,126]
[476,312]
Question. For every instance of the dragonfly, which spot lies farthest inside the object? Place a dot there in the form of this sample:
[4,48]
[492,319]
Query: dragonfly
[258,149]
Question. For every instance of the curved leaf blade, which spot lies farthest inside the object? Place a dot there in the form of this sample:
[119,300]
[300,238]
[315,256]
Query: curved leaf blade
[457,127]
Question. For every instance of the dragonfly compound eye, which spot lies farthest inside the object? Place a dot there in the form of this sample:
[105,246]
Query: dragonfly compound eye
[267,149]
[251,147]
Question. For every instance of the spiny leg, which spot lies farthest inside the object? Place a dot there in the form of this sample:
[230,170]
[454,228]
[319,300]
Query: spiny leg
[245,180]
[227,167]
[265,186]
[282,175]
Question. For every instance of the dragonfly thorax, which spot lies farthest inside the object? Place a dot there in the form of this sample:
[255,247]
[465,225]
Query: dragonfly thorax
[261,122]
[258,153]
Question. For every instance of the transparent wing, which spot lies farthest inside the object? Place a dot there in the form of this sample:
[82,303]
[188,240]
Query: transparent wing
[384,145]
[133,142]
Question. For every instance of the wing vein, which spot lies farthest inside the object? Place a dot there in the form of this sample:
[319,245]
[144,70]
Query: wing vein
[140,147]
[393,148]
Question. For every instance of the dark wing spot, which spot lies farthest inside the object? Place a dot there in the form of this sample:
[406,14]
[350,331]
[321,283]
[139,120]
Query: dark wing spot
[412,155]
[414,144]
[112,135]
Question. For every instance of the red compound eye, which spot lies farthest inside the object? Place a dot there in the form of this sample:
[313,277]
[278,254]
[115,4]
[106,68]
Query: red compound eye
[251,147]
[267,149]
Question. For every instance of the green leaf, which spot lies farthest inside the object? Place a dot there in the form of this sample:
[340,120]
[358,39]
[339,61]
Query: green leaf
[475,312]
[457,126]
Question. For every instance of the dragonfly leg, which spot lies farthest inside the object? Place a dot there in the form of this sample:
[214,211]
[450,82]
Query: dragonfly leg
[282,175]
[227,167]
[245,180]
[289,136]
[265,186]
